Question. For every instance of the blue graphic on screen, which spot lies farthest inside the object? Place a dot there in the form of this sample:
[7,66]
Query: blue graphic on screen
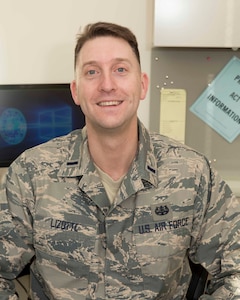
[49,124]
[55,122]
[13,126]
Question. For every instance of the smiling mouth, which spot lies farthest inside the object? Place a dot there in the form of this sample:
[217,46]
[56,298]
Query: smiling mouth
[109,103]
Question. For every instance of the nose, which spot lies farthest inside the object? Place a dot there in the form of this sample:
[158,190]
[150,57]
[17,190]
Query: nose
[107,82]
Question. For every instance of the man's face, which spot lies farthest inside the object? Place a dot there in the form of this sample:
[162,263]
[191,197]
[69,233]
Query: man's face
[109,83]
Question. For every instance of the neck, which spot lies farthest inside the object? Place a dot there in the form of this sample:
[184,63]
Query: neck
[113,152]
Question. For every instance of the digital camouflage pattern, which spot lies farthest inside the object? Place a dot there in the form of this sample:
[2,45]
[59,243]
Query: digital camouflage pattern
[170,206]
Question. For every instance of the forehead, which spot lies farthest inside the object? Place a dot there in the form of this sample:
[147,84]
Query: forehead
[106,48]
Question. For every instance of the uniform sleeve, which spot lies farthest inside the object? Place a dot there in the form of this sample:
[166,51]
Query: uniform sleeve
[16,248]
[217,246]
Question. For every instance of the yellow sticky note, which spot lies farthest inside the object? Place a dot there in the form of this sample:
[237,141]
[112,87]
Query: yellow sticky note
[173,113]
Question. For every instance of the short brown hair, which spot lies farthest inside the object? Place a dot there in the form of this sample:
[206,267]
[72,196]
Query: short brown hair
[106,29]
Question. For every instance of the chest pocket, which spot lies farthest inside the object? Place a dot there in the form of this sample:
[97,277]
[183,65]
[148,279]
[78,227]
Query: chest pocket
[65,239]
[161,245]
[65,229]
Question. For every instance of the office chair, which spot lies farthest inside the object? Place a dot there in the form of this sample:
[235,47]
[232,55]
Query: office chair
[198,281]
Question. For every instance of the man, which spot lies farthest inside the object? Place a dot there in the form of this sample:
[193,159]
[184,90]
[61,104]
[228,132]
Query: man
[112,211]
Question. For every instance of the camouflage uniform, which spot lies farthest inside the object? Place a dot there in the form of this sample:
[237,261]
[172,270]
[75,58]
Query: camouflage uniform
[170,206]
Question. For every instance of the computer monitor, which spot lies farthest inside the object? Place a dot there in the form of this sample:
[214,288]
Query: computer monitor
[31,114]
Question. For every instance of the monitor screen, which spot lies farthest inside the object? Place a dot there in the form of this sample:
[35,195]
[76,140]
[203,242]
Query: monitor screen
[31,114]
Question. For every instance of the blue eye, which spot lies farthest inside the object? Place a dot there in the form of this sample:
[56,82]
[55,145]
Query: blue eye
[121,70]
[92,72]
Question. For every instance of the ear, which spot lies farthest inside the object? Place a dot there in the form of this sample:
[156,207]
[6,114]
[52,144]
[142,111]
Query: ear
[73,88]
[144,85]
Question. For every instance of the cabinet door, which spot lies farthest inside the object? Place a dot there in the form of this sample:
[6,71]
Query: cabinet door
[198,23]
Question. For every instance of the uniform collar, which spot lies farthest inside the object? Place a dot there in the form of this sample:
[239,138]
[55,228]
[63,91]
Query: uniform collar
[145,161]
[143,169]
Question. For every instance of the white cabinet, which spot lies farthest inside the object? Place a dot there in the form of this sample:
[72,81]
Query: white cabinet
[197,23]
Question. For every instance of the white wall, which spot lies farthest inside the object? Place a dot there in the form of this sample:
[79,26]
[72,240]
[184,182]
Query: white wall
[37,38]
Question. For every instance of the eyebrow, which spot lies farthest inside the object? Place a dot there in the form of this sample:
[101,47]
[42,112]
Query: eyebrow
[117,60]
